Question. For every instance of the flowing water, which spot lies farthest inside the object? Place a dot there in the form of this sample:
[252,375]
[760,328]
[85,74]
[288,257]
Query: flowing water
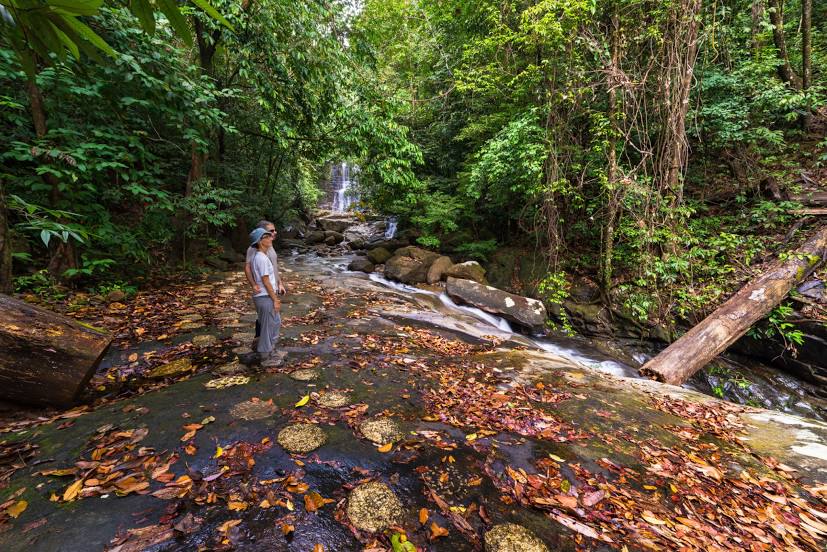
[341,180]
[737,379]
[390,229]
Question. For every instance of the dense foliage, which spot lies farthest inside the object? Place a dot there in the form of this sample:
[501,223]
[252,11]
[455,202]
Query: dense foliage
[627,139]
[191,126]
[629,142]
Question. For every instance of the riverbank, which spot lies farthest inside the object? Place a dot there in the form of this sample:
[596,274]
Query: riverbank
[489,432]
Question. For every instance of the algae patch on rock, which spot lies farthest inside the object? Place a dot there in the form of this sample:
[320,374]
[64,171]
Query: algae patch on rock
[204,340]
[172,369]
[333,399]
[373,507]
[381,430]
[229,381]
[510,537]
[253,410]
[307,374]
[301,438]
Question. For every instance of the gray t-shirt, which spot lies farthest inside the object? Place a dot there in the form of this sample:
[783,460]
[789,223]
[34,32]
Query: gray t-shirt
[271,254]
[262,268]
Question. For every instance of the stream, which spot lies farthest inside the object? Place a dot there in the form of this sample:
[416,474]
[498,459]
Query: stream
[731,377]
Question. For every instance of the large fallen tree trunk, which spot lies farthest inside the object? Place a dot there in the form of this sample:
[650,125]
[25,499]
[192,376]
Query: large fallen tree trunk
[697,347]
[45,358]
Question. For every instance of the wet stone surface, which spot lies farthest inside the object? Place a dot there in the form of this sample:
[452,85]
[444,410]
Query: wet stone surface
[492,434]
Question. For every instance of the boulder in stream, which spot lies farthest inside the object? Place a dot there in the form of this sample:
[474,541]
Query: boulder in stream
[335,223]
[361,264]
[379,255]
[438,268]
[470,270]
[410,265]
[526,312]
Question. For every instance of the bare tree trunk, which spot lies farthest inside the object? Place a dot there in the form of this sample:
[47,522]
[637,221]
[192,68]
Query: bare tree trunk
[697,347]
[785,70]
[680,54]
[806,42]
[612,192]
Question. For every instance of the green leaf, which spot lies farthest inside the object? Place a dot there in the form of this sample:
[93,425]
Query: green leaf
[45,236]
[170,9]
[84,31]
[142,9]
[212,12]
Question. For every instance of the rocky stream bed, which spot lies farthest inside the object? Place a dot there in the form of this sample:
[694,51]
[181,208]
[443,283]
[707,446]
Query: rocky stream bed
[409,422]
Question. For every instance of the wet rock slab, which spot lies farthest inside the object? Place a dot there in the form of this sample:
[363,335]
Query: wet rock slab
[253,410]
[333,399]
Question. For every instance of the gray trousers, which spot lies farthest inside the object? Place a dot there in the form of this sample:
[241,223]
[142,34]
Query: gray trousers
[270,322]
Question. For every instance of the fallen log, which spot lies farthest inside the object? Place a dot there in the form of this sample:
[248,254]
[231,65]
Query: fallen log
[45,359]
[814,199]
[697,347]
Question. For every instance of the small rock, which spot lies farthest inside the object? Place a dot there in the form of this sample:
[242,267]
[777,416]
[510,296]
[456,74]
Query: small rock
[361,265]
[381,431]
[204,340]
[301,438]
[333,399]
[373,507]
[244,336]
[305,374]
[379,255]
[172,369]
[470,270]
[115,296]
[192,325]
[192,317]
[437,270]
[510,537]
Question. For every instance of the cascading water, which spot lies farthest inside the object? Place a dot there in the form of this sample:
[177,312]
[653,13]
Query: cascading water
[390,229]
[343,196]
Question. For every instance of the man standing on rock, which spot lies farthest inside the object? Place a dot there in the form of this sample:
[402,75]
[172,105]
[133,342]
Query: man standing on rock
[270,228]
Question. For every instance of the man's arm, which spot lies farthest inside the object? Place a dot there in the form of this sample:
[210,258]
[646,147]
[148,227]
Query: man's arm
[271,292]
[248,271]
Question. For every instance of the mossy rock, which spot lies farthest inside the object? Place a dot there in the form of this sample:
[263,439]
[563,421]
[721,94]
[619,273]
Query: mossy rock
[253,410]
[373,507]
[333,399]
[381,430]
[301,438]
[305,374]
[510,537]
[172,369]
[204,340]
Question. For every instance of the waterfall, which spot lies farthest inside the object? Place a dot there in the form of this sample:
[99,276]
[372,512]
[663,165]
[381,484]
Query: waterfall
[343,197]
[390,230]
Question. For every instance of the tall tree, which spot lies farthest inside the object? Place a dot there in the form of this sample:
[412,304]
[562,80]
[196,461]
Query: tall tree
[785,69]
